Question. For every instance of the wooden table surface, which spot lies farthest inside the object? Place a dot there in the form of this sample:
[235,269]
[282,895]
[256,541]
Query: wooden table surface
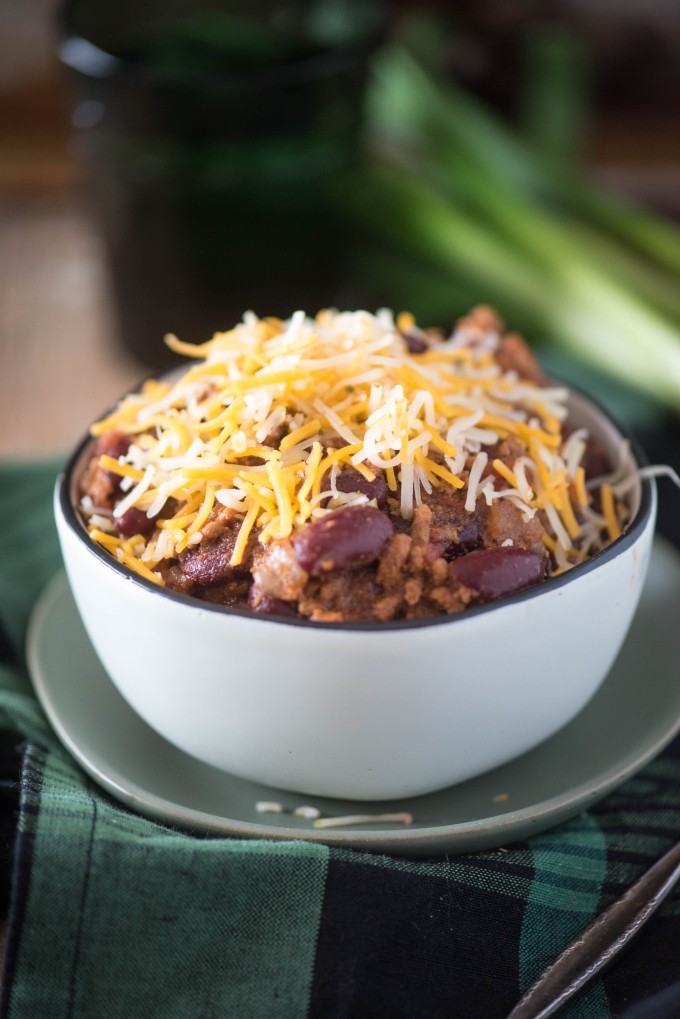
[60,364]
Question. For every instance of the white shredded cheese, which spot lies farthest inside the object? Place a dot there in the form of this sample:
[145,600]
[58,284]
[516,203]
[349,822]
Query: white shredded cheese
[346,389]
[476,471]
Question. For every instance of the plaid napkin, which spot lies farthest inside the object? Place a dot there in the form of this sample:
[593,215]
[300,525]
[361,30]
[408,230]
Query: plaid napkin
[112,915]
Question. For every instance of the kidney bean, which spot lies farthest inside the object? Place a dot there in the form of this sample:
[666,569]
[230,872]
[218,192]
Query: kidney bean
[352,481]
[269,606]
[134,521]
[468,539]
[114,444]
[208,563]
[494,572]
[169,509]
[595,460]
[415,342]
[596,465]
[342,540]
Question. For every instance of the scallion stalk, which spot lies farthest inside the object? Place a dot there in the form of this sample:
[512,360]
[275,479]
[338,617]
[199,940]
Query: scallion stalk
[451,187]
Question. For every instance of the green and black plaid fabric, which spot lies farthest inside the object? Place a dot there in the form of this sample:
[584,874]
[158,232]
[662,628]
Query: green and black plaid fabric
[112,915]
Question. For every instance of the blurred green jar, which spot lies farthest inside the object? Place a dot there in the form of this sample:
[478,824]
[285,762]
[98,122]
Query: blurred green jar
[219,137]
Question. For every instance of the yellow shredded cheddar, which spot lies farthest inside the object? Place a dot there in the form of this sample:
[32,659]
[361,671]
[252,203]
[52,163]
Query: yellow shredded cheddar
[268,412]
[580,486]
[125,470]
[504,472]
[243,534]
[609,511]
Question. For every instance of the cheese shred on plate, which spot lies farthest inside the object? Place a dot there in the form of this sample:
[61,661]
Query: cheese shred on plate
[269,412]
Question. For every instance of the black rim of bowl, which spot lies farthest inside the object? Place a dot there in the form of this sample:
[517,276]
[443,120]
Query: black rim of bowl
[633,530]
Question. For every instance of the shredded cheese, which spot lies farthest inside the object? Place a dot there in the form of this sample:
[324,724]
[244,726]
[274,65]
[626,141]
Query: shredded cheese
[269,412]
[609,511]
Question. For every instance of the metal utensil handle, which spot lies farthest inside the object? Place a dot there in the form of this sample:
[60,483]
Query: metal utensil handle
[600,941]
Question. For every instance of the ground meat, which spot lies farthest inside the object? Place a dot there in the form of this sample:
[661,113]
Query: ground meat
[508,450]
[233,594]
[482,319]
[393,560]
[514,355]
[450,599]
[348,597]
[208,563]
[173,578]
[277,574]
[205,570]
[505,523]
[513,352]
[99,483]
[453,531]
[220,522]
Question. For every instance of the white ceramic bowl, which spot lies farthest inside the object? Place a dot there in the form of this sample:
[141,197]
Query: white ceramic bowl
[361,711]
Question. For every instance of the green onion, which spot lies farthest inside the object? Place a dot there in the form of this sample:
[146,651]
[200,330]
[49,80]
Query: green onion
[460,197]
